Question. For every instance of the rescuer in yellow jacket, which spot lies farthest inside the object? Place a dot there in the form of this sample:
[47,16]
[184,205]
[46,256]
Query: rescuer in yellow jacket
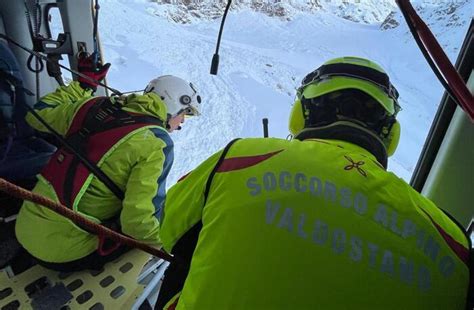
[316,222]
[127,138]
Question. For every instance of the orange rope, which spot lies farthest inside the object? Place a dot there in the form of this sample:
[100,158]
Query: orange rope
[21,193]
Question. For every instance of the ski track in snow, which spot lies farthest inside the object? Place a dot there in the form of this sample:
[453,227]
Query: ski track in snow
[262,61]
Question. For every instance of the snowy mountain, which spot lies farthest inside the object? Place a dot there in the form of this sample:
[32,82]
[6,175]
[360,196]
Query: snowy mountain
[267,48]
[363,11]
[186,11]
[447,19]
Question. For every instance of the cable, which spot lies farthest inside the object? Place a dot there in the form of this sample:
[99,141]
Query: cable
[29,64]
[94,33]
[34,29]
[133,91]
[215,57]
[37,18]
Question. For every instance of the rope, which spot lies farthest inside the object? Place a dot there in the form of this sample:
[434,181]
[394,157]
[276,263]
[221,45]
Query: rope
[18,192]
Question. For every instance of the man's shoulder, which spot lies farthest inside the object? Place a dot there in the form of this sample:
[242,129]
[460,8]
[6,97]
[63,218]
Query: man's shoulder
[147,104]
[261,142]
[162,134]
[404,191]
[151,137]
[144,143]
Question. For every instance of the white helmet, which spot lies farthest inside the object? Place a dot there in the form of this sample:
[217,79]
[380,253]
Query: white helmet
[177,94]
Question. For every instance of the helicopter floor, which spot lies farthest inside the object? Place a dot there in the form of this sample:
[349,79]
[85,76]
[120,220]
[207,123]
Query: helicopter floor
[122,284]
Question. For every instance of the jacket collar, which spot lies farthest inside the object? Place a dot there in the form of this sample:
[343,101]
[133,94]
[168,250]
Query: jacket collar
[147,104]
[349,132]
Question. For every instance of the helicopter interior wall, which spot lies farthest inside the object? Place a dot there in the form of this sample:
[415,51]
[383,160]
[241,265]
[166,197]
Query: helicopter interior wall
[16,27]
[77,21]
[25,157]
[449,183]
[23,153]
[451,175]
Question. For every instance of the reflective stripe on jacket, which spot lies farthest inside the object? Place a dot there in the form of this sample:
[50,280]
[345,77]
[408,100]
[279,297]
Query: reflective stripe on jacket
[314,224]
[138,164]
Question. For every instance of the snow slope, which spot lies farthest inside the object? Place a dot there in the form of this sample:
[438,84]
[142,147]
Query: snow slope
[186,11]
[263,60]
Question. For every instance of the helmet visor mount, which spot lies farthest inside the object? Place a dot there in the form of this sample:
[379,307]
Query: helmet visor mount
[189,112]
[373,76]
[189,102]
[179,96]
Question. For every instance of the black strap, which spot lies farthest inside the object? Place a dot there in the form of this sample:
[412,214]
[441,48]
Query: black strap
[69,182]
[104,116]
[470,290]
[177,273]
[469,232]
[219,162]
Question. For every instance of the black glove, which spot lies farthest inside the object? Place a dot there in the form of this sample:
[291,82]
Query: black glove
[95,71]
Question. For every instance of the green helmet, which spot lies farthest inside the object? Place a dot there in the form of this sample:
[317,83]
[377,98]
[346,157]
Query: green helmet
[348,91]
[373,80]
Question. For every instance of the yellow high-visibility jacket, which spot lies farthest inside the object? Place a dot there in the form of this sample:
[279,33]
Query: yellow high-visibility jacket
[314,224]
[138,163]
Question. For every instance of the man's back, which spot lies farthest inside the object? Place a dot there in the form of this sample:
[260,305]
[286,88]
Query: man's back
[138,164]
[312,224]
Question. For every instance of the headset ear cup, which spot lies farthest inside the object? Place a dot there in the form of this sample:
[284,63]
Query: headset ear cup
[393,138]
[296,121]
